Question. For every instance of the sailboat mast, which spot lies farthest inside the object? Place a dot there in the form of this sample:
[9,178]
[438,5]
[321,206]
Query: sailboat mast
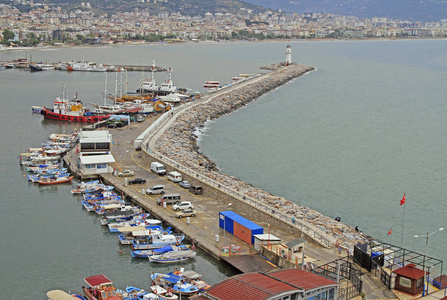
[105,90]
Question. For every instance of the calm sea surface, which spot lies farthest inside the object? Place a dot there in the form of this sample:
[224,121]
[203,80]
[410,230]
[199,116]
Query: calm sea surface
[348,139]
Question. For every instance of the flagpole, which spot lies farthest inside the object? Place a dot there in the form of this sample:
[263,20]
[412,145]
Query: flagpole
[403,222]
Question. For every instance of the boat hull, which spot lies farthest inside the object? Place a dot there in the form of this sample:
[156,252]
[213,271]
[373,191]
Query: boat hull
[56,181]
[60,117]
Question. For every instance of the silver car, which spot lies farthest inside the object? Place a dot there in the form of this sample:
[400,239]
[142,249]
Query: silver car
[156,190]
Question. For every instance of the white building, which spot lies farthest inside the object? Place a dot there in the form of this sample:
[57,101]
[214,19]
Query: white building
[95,152]
[288,55]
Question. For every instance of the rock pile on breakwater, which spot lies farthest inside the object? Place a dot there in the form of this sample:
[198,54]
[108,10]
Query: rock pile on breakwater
[179,144]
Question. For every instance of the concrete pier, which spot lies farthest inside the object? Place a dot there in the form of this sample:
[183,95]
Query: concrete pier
[168,138]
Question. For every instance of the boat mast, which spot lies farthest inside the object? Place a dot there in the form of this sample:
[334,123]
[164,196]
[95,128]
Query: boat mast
[153,70]
[116,86]
[105,90]
[126,81]
[121,85]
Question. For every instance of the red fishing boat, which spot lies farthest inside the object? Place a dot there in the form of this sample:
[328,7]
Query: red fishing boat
[71,110]
[100,288]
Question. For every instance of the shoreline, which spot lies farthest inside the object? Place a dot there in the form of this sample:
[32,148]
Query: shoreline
[179,143]
[65,46]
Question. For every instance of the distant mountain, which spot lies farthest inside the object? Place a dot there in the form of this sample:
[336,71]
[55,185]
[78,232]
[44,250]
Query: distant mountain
[412,10]
[185,7]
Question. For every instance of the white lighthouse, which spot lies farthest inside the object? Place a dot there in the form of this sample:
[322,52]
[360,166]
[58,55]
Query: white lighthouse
[288,55]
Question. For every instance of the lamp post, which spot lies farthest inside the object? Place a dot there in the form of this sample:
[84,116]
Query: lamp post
[225,228]
[425,258]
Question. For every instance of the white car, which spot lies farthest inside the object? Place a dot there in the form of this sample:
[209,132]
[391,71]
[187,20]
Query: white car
[183,205]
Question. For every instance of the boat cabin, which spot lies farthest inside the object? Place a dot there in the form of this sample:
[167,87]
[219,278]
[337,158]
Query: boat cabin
[100,288]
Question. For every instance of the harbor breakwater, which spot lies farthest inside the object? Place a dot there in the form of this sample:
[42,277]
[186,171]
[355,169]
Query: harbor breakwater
[179,143]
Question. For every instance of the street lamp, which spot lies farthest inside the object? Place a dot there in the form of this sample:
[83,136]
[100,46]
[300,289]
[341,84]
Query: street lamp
[425,258]
[225,228]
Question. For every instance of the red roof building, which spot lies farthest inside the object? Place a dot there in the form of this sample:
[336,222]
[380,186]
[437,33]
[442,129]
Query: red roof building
[409,279]
[284,284]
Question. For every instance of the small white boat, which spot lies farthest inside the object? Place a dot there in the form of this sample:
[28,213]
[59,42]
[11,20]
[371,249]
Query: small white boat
[172,256]
[163,293]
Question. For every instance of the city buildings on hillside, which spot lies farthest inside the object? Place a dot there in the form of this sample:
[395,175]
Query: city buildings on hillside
[46,23]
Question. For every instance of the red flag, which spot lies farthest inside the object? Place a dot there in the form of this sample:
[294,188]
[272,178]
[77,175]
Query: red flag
[389,232]
[402,202]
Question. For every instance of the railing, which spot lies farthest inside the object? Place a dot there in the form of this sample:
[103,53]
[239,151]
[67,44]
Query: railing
[311,231]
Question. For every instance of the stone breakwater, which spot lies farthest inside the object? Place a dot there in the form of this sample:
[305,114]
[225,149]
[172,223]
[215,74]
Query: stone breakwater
[179,144]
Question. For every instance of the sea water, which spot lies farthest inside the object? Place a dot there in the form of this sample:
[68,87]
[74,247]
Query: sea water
[348,139]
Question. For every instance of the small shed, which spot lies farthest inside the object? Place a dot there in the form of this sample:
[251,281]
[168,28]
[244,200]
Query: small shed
[409,279]
[265,239]
[297,245]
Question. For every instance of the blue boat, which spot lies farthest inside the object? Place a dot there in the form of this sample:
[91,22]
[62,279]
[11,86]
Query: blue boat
[132,293]
[159,241]
[175,283]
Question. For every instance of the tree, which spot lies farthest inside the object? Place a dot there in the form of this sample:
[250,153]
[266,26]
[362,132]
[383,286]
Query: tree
[80,37]
[7,35]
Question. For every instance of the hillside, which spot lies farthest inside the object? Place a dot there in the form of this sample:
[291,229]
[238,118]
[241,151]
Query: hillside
[412,10]
[185,7]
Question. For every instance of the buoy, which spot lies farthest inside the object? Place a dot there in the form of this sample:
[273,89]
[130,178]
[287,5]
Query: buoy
[120,251]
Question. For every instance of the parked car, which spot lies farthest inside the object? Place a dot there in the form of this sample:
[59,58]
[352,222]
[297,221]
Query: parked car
[156,189]
[183,205]
[196,190]
[137,180]
[125,173]
[175,176]
[185,213]
[158,168]
[169,199]
[184,184]
[140,118]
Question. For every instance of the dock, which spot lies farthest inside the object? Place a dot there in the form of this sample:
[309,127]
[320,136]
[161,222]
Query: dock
[24,64]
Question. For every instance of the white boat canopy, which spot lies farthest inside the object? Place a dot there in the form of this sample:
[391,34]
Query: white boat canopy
[59,295]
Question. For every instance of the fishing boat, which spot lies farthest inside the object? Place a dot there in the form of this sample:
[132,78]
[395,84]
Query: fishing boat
[45,66]
[35,68]
[36,109]
[149,85]
[175,283]
[172,256]
[99,287]
[57,180]
[132,292]
[168,86]
[159,241]
[148,253]
[114,224]
[211,84]
[136,233]
[137,220]
[195,279]
[71,110]
[163,293]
